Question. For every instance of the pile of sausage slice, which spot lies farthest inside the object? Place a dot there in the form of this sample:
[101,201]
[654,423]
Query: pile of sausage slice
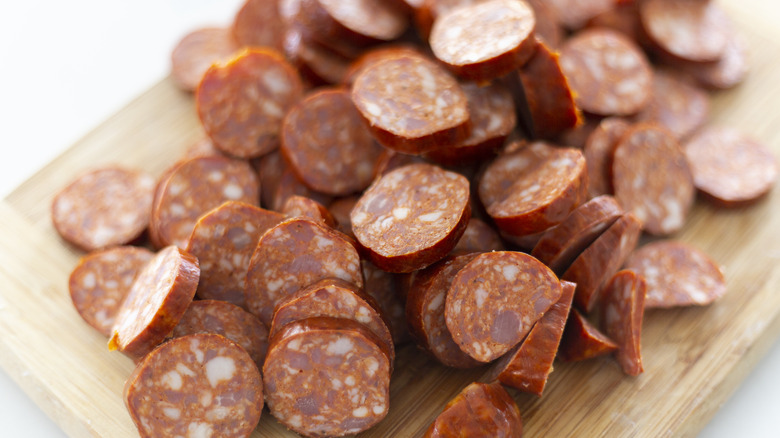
[473,176]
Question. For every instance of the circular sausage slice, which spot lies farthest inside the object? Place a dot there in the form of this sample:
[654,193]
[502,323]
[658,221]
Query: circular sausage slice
[327,377]
[677,274]
[495,300]
[223,240]
[681,107]
[729,71]
[258,24]
[485,40]
[481,409]
[411,104]
[360,22]
[105,207]
[241,103]
[316,63]
[197,385]
[609,74]
[729,167]
[195,53]
[293,255]
[412,217]
[622,310]
[228,320]
[327,144]
[652,179]
[573,14]
[599,150]
[101,280]
[157,300]
[377,54]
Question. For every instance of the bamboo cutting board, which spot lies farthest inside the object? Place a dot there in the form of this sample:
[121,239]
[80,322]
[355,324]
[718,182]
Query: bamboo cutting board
[694,358]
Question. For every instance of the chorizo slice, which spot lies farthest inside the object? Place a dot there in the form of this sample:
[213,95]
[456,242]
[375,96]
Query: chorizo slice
[193,188]
[301,206]
[527,367]
[158,298]
[622,310]
[677,104]
[610,75]
[533,188]
[333,298]
[377,54]
[652,179]
[361,22]
[599,261]
[729,71]
[573,14]
[258,24]
[425,303]
[427,111]
[383,287]
[316,63]
[327,377]
[196,385]
[494,301]
[223,240]
[582,340]
[412,217]
[559,246]
[292,255]
[730,168]
[677,274]
[228,320]
[327,145]
[101,280]
[622,17]
[241,103]
[599,150]
[104,207]
[478,237]
[340,209]
[195,53]
[485,40]
[481,409]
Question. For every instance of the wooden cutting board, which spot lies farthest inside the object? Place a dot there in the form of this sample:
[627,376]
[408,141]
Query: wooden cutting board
[694,358]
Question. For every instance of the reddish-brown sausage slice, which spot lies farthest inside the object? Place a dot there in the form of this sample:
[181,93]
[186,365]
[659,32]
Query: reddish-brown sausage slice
[729,71]
[223,240]
[105,207]
[377,54]
[582,340]
[101,280]
[622,17]
[681,107]
[730,168]
[478,237]
[494,301]
[160,295]
[622,309]
[677,274]
[340,209]
[293,255]
[301,206]
[327,377]
[316,63]
[599,150]
[241,103]
[195,53]
[258,24]
[198,385]
[573,14]
[412,217]
[384,288]
[228,320]
[360,22]
[479,410]
[651,178]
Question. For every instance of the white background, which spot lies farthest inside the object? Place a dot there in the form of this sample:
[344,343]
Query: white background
[65,66]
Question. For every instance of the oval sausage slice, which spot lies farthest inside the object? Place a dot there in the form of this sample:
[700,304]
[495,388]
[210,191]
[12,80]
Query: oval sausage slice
[622,309]
[258,24]
[678,105]
[481,409]
[599,150]
[360,22]
[195,53]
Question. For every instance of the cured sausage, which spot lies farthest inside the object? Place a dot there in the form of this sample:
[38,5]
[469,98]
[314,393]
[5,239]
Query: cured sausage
[429,111]
[547,28]
[622,17]
[425,301]
[327,377]
[316,63]
[228,320]
[194,187]
[559,246]
[361,22]
[412,217]
[478,237]
[573,14]
[602,259]
[599,150]
[677,274]
[533,188]
[340,209]
[377,54]
[492,111]
[485,40]
[622,309]
[223,240]
[195,53]
[527,367]
[327,145]
[678,105]
[730,168]
[609,74]
[383,287]
[495,299]
[729,71]
[101,280]
[258,24]
[293,255]
[333,298]
[301,206]
[481,409]
[103,208]
[582,340]
[652,179]
[196,385]
[241,103]
[160,295]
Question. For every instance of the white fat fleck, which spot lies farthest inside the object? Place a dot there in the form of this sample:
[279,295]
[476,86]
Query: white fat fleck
[612,314]
[373,109]
[172,413]
[274,285]
[363,316]
[372,366]
[233,192]
[294,344]
[510,272]
[272,109]
[101,235]
[360,412]
[220,368]
[215,176]
[194,347]
[336,384]
[481,295]
[340,347]
[172,380]
[205,398]
[378,409]
[177,210]
[111,284]
[436,302]
[401,213]
[276,82]
[199,430]
[323,243]
[89,281]
[359,218]
[430,217]
[181,368]
[674,215]
[295,421]
[349,381]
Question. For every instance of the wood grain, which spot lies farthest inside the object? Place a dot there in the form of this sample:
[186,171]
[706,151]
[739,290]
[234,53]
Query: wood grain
[694,358]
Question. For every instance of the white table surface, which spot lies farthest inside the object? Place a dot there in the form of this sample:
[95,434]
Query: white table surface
[67,66]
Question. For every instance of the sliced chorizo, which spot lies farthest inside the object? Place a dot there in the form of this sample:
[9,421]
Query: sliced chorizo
[677,104]
[729,71]
[582,340]
[361,22]
[573,14]
[377,54]
[622,310]
[316,63]
[301,206]
[481,409]
[599,150]
[258,24]
[197,51]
